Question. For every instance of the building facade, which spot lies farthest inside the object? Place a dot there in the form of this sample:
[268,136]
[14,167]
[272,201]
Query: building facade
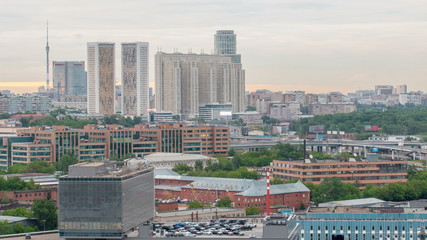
[225,43]
[331,108]
[105,200]
[69,80]
[242,192]
[350,170]
[210,112]
[111,141]
[285,112]
[100,77]
[33,103]
[186,81]
[135,79]
[362,226]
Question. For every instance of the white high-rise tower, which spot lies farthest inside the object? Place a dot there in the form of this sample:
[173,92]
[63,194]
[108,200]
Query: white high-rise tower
[100,78]
[135,78]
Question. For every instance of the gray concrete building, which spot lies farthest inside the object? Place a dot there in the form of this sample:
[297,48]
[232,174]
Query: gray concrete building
[108,200]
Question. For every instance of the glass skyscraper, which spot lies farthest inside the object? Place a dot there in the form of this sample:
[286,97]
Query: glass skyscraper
[69,79]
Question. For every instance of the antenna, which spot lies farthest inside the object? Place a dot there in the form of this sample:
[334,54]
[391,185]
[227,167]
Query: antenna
[47,56]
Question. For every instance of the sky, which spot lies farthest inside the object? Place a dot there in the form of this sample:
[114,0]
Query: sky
[314,46]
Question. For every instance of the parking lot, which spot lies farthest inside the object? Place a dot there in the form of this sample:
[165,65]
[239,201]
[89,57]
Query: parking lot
[214,228]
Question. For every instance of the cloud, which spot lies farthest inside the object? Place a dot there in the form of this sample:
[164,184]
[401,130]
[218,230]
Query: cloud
[312,44]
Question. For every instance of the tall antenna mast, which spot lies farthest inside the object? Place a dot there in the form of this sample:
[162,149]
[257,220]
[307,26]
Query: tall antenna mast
[47,56]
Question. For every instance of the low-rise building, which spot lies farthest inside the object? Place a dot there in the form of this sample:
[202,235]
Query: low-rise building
[347,170]
[215,111]
[242,192]
[362,219]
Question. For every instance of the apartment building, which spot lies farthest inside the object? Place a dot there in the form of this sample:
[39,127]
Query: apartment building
[186,81]
[349,170]
[331,108]
[135,78]
[100,77]
[25,103]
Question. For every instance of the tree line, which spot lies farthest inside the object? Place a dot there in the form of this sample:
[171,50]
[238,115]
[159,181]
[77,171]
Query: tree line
[42,166]
[393,121]
[332,189]
[223,168]
[44,211]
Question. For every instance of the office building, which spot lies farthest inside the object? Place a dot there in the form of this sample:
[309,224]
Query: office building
[363,171]
[108,200]
[135,79]
[186,81]
[161,117]
[111,141]
[69,80]
[100,77]
[365,219]
[215,111]
[225,44]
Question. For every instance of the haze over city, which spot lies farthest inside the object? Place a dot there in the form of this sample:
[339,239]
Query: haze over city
[315,46]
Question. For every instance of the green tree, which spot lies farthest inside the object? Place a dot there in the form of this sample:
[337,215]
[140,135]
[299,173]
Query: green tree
[5,228]
[25,122]
[252,210]
[65,161]
[46,214]
[182,168]
[194,204]
[33,167]
[18,212]
[224,202]
[198,165]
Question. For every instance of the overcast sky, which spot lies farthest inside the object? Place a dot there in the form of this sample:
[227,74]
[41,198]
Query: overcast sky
[316,46]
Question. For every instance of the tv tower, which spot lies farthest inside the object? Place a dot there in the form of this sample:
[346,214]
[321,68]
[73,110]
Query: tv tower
[47,56]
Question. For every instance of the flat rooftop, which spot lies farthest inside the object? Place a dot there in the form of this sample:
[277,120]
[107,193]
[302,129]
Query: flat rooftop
[107,169]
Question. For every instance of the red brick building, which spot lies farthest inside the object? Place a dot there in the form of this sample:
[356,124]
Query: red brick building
[242,192]
[30,196]
[99,142]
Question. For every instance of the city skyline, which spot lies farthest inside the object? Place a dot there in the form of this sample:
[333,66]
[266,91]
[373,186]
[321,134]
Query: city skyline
[312,46]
